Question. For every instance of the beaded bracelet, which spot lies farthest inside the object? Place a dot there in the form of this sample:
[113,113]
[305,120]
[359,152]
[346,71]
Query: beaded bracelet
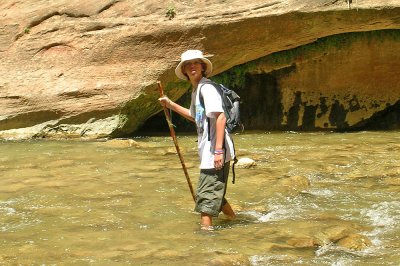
[218,152]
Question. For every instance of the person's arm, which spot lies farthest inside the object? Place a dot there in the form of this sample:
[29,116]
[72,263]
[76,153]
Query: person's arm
[220,138]
[165,101]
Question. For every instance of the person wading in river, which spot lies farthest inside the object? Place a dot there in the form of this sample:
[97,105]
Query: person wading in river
[214,142]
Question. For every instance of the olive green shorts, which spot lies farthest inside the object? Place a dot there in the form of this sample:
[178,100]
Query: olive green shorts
[211,189]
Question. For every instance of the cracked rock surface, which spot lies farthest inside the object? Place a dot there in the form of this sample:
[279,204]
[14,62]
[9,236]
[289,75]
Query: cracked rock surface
[73,68]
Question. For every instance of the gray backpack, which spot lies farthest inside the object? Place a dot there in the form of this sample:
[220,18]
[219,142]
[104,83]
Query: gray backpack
[231,106]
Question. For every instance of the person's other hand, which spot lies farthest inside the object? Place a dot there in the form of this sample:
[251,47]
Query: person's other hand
[218,161]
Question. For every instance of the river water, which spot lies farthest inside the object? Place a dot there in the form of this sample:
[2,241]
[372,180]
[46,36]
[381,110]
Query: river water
[312,199]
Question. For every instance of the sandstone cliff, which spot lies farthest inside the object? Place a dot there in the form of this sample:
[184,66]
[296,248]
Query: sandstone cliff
[73,68]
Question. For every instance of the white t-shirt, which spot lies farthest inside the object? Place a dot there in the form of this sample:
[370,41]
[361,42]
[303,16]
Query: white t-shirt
[212,103]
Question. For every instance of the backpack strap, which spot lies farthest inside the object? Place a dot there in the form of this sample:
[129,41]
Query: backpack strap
[235,160]
[202,104]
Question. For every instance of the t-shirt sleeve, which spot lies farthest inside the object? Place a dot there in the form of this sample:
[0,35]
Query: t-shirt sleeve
[212,100]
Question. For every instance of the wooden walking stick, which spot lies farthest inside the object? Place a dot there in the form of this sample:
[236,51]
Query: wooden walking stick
[171,129]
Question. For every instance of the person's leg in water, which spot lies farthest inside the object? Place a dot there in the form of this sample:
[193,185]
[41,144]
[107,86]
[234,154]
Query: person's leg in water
[228,211]
[206,221]
[216,183]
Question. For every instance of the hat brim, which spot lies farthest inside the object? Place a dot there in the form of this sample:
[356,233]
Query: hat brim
[179,73]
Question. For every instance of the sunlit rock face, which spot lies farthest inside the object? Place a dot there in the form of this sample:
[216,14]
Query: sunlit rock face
[73,68]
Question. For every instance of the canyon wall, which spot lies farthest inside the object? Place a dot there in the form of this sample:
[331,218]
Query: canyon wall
[73,69]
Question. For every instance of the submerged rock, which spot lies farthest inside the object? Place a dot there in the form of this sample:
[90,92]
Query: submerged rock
[171,151]
[245,163]
[303,242]
[121,143]
[343,236]
[392,181]
[295,183]
[230,259]
[355,242]
[335,233]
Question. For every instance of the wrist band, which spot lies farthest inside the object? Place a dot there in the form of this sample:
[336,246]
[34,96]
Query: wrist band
[218,152]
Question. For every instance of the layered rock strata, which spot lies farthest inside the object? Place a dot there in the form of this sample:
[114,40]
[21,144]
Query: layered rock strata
[71,69]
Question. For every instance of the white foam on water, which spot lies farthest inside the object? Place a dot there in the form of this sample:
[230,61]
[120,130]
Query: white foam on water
[341,256]
[279,212]
[385,218]
[276,212]
[267,217]
[322,192]
[341,262]
[7,210]
[256,260]
[324,249]
[5,207]
[383,214]
[251,214]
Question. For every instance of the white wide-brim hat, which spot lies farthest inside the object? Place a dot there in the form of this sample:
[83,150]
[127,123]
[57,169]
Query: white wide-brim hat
[190,55]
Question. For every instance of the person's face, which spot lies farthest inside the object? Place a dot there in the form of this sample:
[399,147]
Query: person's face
[193,69]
